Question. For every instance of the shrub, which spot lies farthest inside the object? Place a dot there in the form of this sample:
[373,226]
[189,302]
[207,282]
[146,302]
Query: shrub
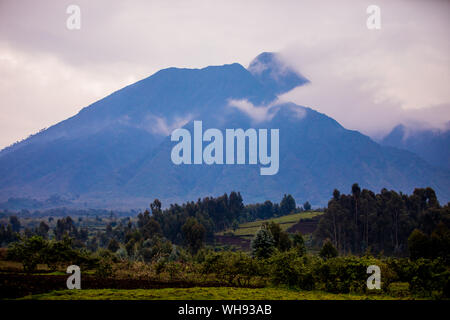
[263,245]
[290,269]
[29,251]
[399,289]
[104,268]
[328,250]
[232,267]
[349,274]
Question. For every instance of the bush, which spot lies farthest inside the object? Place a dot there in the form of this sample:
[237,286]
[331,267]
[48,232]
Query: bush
[290,269]
[328,250]
[235,268]
[263,245]
[29,251]
[399,289]
[104,268]
[429,278]
[349,274]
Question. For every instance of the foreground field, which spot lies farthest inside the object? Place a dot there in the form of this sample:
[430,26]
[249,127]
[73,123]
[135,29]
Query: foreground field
[197,293]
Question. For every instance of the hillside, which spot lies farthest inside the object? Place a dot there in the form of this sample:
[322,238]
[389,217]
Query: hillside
[242,236]
[431,145]
[115,153]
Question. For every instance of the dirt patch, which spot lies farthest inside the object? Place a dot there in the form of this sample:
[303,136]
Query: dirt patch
[242,243]
[305,226]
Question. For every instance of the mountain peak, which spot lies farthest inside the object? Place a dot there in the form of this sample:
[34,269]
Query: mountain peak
[273,73]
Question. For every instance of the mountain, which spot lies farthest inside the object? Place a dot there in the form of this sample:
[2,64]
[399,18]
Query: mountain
[116,152]
[431,145]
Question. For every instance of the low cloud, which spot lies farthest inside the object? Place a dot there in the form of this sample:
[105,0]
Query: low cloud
[162,126]
[260,114]
[256,113]
[373,80]
[368,80]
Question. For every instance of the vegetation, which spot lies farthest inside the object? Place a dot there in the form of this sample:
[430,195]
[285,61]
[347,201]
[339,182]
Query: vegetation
[406,236]
[196,293]
[382,223]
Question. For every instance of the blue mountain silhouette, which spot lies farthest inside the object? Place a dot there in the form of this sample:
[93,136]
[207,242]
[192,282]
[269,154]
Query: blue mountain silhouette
[116,152]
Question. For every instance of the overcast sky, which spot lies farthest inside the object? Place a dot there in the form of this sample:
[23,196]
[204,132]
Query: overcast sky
[368,80]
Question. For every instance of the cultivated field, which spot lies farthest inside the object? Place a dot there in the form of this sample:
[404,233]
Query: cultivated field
[197,293]
[249,229]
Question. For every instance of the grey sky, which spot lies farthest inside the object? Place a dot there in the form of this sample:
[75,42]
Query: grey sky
[367,80]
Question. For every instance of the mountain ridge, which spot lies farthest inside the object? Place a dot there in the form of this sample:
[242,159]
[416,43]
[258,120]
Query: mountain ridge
[116,151]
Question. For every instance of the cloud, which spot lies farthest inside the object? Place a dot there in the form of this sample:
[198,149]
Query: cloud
[256,113]
[260,114]
[367,80]
[162,126]
[373,80]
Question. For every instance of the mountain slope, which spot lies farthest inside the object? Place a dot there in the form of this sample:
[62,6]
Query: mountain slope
[116,152]
[431,145]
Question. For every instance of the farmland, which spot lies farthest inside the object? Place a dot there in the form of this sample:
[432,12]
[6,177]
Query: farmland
[248,230]
[198,293]
[242,236]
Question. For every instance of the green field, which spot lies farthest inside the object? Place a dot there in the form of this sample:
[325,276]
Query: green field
[249,229]
[197,293]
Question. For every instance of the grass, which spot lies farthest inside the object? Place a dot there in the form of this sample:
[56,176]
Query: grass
[249,229]
[197,293]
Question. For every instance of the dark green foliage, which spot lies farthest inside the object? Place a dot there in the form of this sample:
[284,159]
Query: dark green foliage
[214,214]
[347,274]
[307,206]
[299,244]
[7,235]
[104,268]
[290,269]
[435,246]
[113,245]
[328,250]
[42,230]
[419,245]
[287,205]
[147,225]
[263,245]
[194,234]
[29,251]
[15,223]
[154,249]
[36,250]
[380,222]
[236,268]
[280,237]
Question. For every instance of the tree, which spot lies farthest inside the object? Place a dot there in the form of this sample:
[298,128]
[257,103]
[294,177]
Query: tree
[299,244]
[287,204]
[235,225]
[15,223]
[42,230]
[280,237]
[307,206]
[263,245]
[328,250]
[113,245]
[194,234]
[356,192]
[336,194]
[418,245]
[28,251]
